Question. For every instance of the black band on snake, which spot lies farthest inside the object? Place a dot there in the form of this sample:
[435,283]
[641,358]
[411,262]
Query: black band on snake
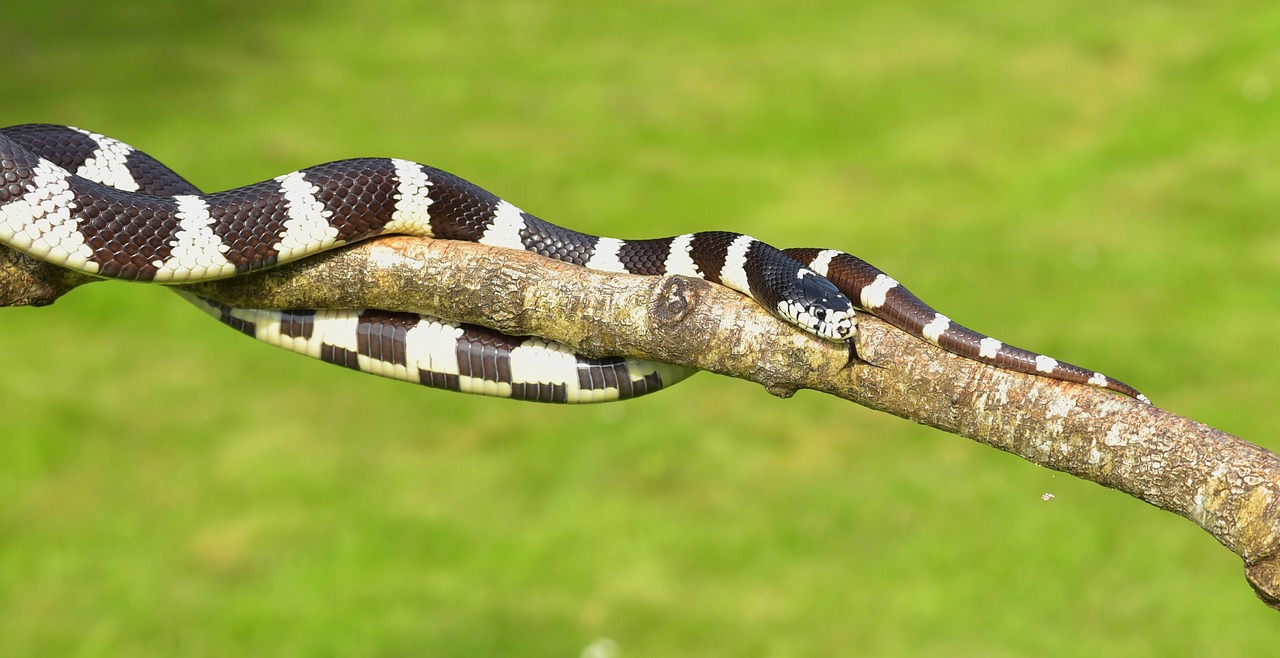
[99,206]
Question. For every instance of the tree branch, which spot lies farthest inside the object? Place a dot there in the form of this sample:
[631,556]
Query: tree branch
[1224,484]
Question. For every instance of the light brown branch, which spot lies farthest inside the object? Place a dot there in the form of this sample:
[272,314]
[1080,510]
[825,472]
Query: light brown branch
[1224,484]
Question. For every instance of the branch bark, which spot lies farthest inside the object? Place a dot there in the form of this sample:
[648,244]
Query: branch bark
[1224,484]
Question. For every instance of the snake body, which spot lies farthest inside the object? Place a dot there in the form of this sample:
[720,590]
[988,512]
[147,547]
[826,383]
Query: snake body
[99,206]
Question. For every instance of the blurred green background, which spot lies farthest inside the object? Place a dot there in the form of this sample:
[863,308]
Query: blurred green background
[1097,182]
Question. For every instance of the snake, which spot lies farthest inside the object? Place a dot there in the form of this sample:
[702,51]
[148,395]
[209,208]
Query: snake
[99,206]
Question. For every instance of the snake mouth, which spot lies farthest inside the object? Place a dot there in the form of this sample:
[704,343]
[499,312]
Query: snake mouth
[821,320]
[840,325]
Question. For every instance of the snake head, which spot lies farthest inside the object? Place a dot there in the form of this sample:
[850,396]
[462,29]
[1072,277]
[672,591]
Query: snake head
[820,308]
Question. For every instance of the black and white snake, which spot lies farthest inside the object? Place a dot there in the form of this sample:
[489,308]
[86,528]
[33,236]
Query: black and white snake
[96,205]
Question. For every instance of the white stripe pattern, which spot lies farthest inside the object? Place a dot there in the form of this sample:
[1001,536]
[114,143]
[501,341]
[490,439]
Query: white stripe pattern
[505,229]
[434,346]
[539,361]
[413,200]
[734,272]
[110,165]
[195,249]
[822,262]
[933,331]
[332,327]
[307,230]
[678,259]
[874,295]
[604,256]
[40,222]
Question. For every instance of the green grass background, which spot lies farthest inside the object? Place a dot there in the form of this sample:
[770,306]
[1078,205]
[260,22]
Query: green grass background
[1097,181]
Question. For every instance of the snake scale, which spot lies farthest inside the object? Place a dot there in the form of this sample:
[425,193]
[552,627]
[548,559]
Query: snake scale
[99,206]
